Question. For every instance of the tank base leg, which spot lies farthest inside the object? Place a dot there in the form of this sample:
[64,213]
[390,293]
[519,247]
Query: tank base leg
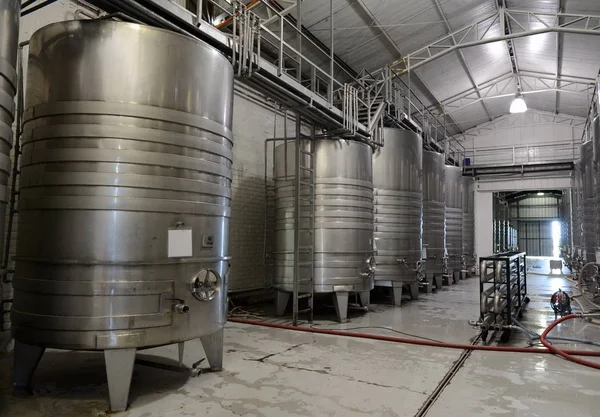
[448,279]
[282,299]
[413,287]
[365,298]
[180,350]
[340,300]
[429,284]
[455,277]
[397,294]
[439,282]
[119,369]
[213,348]
[27,358]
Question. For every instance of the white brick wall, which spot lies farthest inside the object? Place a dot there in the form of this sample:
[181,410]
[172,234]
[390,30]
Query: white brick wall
[252,124]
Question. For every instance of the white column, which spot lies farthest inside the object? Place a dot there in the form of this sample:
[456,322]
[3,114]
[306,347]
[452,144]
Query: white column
[484,228]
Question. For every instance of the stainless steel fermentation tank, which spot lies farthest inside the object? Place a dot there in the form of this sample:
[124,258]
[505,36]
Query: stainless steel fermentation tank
[454,221]
[434,216]
[468,235]
[341,261]
[588,196]
[9,41]
[125,196]
[398,191]
[577,209]
[596,133]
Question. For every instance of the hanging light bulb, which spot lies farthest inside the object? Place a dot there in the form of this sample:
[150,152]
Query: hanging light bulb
[518,104]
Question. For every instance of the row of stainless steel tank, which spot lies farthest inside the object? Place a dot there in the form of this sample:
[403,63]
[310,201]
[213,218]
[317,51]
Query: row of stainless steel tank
[375,213]
[585,196]
[125,195]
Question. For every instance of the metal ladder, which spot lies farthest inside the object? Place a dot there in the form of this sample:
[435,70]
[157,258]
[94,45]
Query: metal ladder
[304,223]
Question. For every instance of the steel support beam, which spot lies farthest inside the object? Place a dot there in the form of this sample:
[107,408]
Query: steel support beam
[474,171]
[375,23]
[559,47]
[502,86]
[546,118]
[477,33]
[463,61]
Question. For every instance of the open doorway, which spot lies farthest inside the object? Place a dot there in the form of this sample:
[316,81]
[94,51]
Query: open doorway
[556,238]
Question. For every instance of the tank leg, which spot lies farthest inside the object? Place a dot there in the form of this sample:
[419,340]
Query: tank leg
[365,298]
[213,348]
[414,290]
[340,300]
[449,279]
[455,277]
[281,301]
[429,288]
[27,358]
[439,282]
[119,369]
[180,349]
[397,294]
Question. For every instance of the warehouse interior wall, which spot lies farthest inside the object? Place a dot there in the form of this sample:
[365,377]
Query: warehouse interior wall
[534,136]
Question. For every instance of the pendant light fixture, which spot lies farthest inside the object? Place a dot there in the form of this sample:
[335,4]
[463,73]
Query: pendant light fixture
[518,104]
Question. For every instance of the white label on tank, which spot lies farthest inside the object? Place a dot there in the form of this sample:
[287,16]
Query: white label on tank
[180,243]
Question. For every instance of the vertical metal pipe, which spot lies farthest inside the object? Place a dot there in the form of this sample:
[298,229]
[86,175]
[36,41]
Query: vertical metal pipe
[297,193]
[409,92]
[233,35]
[198,12]
[331,54]
[280,66]
[299,36]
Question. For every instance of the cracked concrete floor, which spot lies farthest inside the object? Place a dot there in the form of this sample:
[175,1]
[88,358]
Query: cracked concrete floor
[279,373]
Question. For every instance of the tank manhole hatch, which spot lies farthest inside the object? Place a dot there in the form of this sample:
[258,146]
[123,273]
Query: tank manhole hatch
[205,285]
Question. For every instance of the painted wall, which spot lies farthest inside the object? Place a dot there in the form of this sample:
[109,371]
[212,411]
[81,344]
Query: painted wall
[529,137]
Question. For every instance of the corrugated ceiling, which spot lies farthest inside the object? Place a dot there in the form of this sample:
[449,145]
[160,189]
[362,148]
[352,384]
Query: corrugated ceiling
[412,25]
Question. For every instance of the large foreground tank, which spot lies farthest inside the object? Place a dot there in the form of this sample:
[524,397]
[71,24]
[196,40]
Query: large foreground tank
[124,196]
[343,229]
[9,40]
[588,196]
[434,216]
[454,220]
[398,190]
[468,234]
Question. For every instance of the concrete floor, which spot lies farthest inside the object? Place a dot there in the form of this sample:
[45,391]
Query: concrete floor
[279,373]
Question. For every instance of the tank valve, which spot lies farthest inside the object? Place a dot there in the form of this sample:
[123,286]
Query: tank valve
[181,308]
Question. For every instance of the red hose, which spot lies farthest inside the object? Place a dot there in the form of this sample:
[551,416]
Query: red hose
[412,341]
[565,354]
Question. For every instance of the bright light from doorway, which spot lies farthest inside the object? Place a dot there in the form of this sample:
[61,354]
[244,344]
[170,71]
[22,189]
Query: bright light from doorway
[555,238]
[540,194]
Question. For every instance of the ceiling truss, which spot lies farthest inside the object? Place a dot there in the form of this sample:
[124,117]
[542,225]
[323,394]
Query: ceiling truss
[504,86]
[541,118]
[523,23]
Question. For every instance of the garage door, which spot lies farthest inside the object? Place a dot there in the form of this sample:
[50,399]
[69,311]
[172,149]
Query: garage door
[535,237]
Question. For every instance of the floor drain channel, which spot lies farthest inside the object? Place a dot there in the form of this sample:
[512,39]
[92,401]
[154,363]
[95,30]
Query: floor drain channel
[446,380]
